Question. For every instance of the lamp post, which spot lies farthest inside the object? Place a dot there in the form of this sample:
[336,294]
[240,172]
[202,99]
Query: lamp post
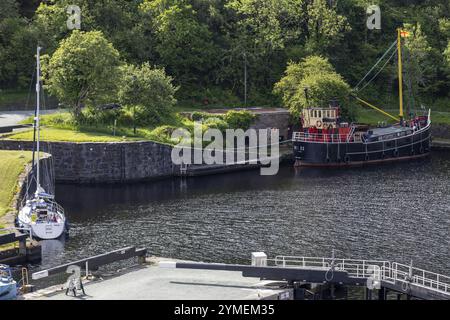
[245,79]
[134,104]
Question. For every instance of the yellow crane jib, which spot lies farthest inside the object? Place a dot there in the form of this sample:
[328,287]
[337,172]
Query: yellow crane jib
[375,108]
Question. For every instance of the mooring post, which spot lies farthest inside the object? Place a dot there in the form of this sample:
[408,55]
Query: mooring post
[382,293]
[23,247]
[368,294]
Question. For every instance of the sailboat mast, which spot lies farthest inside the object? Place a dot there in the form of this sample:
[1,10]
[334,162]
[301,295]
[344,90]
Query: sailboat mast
[38,78]
[400,73]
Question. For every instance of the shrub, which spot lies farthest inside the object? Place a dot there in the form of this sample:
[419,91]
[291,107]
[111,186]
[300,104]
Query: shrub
[239,119]
[216,123]
[148,90]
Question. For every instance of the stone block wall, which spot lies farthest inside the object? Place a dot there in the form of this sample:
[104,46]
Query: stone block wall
[104,162]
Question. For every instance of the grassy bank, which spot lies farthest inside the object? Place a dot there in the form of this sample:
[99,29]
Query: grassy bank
[12,164]
[62,126]
[67,135]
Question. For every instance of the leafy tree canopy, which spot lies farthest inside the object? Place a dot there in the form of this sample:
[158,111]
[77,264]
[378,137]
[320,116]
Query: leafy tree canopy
[83,70]
[316,75]
[148,87]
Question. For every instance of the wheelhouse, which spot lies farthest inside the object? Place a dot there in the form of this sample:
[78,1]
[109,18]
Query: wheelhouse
[320,118]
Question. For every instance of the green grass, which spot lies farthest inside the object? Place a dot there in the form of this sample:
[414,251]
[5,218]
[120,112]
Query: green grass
[69,135]
[440,117]
[372,117]
[12,164]
[61,127]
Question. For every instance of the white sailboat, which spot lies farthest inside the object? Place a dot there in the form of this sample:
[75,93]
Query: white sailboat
[41,214]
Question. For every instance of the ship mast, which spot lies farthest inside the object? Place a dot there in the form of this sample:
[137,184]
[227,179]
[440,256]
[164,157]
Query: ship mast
[38,78]
[400,74]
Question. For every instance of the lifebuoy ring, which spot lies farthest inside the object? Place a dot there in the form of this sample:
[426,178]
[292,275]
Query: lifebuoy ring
[318,123]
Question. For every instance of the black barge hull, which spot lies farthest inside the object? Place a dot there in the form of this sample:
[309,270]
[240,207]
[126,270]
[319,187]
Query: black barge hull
[341,154]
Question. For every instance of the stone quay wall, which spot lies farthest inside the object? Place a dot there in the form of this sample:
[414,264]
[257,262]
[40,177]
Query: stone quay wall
[104,162]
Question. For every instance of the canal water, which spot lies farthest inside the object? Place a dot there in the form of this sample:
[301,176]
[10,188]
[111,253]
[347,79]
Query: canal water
[397,212]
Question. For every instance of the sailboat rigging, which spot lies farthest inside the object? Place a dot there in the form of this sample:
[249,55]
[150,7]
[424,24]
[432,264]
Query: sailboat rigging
[41,214]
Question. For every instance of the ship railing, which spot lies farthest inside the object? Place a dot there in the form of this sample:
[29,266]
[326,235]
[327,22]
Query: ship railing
[321,137]
[394,273]
[56,206]
[350,134]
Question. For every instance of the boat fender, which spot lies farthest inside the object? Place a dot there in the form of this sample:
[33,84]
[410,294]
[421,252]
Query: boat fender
[347,159]
[421,149]
[318,123]
[395,153]
[328,159]
[366,157]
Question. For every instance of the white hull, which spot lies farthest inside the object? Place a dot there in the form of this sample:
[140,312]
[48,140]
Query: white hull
[46,229]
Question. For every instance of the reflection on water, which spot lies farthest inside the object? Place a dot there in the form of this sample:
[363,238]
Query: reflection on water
[395,212]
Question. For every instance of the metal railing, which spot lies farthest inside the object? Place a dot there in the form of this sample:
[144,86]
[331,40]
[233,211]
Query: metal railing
[394,273]
[351,137]
[321,137]
[55,206]
[419,277]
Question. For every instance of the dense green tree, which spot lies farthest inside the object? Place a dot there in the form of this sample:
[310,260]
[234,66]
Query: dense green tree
[119,20]
[206,45]
[184,44]
[317,75]
[148,90]
[84,70]
[17,46]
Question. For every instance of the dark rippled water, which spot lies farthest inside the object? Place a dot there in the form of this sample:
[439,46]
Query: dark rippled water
[394,212]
